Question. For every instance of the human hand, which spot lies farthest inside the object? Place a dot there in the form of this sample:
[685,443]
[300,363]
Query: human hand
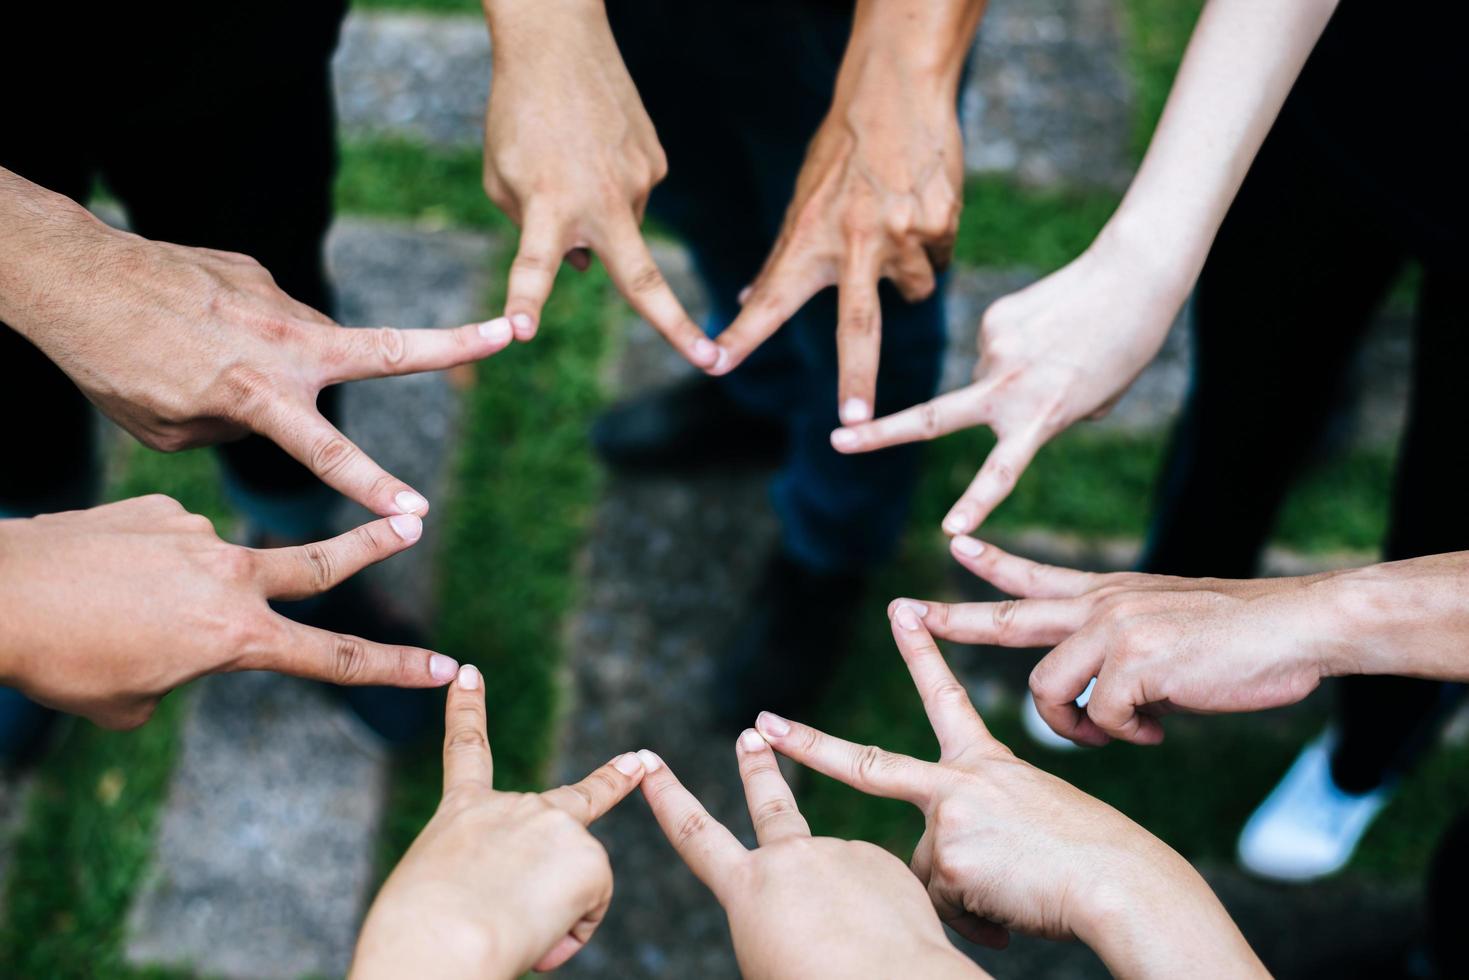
[878,197]
[104,611]
[190,346]
[571,157]
[1063,349]
[801,906]
[497,883]
[1007,846]
[1155,644]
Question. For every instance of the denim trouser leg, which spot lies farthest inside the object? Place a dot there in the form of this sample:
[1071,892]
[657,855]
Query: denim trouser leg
[735,131]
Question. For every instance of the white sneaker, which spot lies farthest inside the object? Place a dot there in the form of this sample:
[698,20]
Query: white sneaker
[1307,827]
[1042,734]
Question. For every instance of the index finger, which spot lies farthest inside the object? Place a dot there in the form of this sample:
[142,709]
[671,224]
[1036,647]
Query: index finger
[604,788]
[305,570]
[705,844]
[337,461]
[467,757]
[945,700]
[872,770]
[774,298]
[773,808]
[1021,576]
[337,658]
[354,353]
[936,417]
[638,278]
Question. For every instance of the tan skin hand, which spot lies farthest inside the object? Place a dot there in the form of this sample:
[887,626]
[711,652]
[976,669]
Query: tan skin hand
[798,905]
[190,346]
[1007,846]
[1156,644]
[571,157]
[878,197]
[496,883]
[1061,350]
[107,610]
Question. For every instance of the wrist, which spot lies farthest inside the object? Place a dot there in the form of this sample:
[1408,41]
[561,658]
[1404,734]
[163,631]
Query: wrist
[41,226]
[1132,242]
[396,944]
[1409,618]
[918,44]
[12,645]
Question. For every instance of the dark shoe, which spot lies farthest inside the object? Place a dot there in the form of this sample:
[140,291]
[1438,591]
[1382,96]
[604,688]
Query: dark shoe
[396,715]
[687,426]
[798,628]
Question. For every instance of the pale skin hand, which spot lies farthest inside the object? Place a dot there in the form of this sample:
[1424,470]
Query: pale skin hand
[190,346]
[104,611]
[1067,347]
[497,883]
[801,906]
[879,194]
[1158,644]
[571,157]
[1008,846]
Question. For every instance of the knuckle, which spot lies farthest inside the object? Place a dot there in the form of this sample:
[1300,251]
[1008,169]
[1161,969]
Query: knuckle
[690,826]
[773,809]
[1003,616]
[928,419]
[466,738]
[331,455]
[646,279]
[322,565]
[349,659]
[870,762]
[951,693]
[389,344]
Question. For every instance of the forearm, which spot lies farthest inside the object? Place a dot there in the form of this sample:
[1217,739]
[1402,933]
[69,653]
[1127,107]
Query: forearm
[920,44]
[523,18]
[37,224]
[14,628]
[1409,618]
[1167,923]
[1241,62]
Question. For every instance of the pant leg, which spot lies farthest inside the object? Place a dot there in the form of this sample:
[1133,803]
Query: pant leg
[736,131]
[1288,289]
[1428,518]
[246,168]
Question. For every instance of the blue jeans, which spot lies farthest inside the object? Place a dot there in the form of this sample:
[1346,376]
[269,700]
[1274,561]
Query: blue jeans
[736,91]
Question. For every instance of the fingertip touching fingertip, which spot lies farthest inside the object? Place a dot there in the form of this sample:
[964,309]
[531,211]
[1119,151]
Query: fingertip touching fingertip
[958,522]
[408,527]
[907,618]
[966,546]
[843,440]
[751,741]
[442,669]
[855,410]
[706,353]
[524,325]
[469,678]
[650,760]
[497,331]
[410,502]
[628,764]
[772,725]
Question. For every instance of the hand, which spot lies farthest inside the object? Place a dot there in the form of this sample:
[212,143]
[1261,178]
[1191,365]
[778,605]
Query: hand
[1063,349]
[571,157]
[1008,846]
[104,611]
[497,882]
[878,196]
[189,346]
[801,906]
[1155,643]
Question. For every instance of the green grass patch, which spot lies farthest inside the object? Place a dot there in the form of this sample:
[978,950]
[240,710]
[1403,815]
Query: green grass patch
[1157,33]
[88,834]
[403,179]
[1008,225]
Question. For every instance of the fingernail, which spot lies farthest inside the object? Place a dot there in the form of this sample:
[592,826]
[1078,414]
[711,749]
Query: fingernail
[410,503]
[844,439]
[409,527]
[967,546]
[706,351]
[442,668]
[855,410]
[628,764]
[650,760]
[722,364]
[468,677]
[496,331]
[917,607]
[957,522]
[745,294]
[772,725]
[907,618]
[522,322]
[751,741]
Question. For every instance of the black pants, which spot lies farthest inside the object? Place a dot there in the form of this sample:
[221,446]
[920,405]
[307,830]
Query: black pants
[213,125]
[1323,227]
